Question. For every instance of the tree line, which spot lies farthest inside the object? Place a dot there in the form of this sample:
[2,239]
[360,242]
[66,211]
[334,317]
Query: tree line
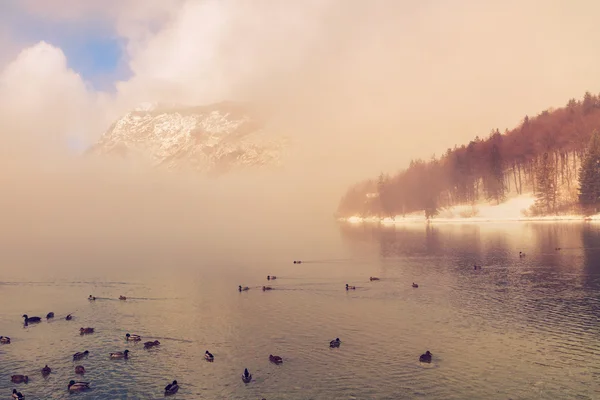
[554,155]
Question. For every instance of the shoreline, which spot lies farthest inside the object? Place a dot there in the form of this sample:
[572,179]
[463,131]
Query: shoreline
[475,220]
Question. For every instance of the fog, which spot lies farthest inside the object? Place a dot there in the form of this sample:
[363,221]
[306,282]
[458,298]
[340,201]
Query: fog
[360,87]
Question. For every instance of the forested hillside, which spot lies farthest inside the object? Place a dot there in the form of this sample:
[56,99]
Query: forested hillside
[543,155]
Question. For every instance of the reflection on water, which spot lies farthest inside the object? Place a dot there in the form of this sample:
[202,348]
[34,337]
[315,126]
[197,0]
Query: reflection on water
[519,328]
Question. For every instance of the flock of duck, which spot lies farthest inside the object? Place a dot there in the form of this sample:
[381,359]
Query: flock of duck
[173,387]
[425,357]
[78,386]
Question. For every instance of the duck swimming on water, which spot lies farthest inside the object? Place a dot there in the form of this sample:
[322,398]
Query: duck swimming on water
[120,354]
[78,386]
[335,343]
[415,285]
[17,395]
[373,278]
[91,297]
[275,359]
[148,345]
[46,370]
[69,317]
[50,315]
[267,288]
[132,338]
[31,320]
[246,376]
[19,379]
[271,277]
[242,289]
[426,357]
[208,356]
[122,298]
[521,254]
[80,355]
[85,331]
[79,370]
[171,388]
[4,340]
[350,287]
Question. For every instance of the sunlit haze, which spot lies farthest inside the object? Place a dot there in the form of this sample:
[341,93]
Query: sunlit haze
[361,87]
[265,188]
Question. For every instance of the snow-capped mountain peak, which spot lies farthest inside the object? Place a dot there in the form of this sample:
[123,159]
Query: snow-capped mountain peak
[213,138]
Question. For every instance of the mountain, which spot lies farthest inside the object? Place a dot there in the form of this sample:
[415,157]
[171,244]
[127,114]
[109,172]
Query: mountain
[215,138]
[543,155]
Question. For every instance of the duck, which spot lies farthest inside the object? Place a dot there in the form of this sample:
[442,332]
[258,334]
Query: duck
[17,395]
[557,248]
[521,254]
[78,386]
[4,340]
[271,277]
[50,315]
[171,388]
[335,343]
[350,287]
[208,356]
[80,355]
[246,376]
[267,288]
[46,370]
[80,370]
[84,331]
[31,320]
[242,289]
[426,357]
[122,298]
[120,354]
[91,297]
[373,278]
[275,359]
[297,262]
[132,338]
[19,379]
[415,285]
[69,317]
[148,345]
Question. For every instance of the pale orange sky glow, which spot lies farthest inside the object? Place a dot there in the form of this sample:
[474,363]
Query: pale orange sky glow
[360,86]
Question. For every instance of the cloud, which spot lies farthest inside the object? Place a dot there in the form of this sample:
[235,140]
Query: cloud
[360,86]
[43,103]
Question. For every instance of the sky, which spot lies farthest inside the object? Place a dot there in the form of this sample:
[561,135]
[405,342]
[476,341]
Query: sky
[361,86]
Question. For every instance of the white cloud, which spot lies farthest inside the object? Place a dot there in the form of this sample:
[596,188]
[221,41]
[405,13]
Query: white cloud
[43,103]
[379,82]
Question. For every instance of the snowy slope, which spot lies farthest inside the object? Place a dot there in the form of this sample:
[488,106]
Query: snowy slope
[214,138]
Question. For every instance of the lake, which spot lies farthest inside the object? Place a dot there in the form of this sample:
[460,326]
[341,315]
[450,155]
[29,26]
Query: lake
[519,328]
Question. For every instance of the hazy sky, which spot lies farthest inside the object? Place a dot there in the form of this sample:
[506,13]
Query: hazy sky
[361,86]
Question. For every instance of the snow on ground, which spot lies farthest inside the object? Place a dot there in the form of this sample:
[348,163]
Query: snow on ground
[511,210]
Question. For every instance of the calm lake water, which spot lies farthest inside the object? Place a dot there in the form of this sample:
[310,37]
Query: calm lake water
[516,329]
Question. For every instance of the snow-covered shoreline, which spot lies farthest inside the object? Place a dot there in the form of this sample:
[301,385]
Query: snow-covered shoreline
[513,210]
[406,220]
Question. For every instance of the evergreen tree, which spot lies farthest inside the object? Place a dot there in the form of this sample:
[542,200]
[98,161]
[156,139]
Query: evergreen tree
[431,209]
[493,181]
[430,189]
[589,176]
[545,186]
[385,195]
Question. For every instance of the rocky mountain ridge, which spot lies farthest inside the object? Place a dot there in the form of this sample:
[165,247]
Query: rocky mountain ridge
[215,138]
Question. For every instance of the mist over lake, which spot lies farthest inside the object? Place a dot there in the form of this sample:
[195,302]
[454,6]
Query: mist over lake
[516,328]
